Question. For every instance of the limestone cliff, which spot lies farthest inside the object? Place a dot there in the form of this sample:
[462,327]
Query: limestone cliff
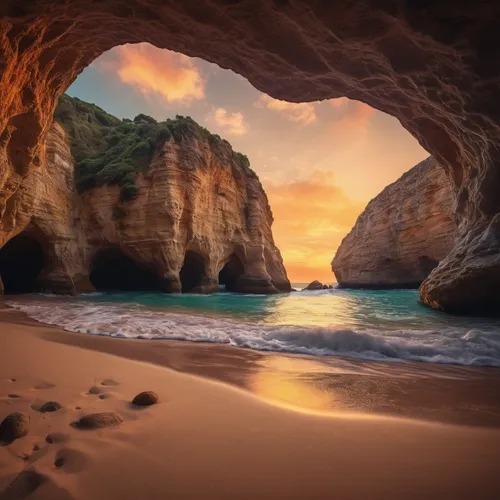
[402,234]
[45,211]
[198,216]
[432,65]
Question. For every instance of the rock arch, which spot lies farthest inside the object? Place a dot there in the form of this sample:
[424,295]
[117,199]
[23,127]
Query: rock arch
[232,270]
[192,273]
[111,269]
[433,65]
[21,261]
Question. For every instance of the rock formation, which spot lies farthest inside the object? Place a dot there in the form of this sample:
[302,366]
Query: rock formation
[198,216]
[317,285]
[433,65]
[402,234]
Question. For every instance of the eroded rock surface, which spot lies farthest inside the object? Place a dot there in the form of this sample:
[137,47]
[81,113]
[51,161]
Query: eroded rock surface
[433,65]
[402,234]
[146,398]
[100,420]
[14,426]
[199,210]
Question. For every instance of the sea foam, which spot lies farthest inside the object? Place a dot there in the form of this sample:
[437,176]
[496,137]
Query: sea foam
[467,347]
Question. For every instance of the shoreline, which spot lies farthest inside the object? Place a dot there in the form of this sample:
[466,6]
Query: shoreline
[207,439]
[454,394]
[291,326]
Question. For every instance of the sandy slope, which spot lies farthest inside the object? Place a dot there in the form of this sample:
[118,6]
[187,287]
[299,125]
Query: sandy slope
[210,440]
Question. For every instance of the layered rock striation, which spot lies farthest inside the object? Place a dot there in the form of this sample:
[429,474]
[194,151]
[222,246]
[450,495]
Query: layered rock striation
[402,234]
[433,65]
[197,217]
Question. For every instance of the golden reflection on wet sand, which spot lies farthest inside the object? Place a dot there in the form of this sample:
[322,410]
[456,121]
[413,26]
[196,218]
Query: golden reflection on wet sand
[275,380]
[330,386]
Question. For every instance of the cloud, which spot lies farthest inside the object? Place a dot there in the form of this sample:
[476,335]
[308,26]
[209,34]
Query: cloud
[230,123]
[311,218]
[304,112]
[340,102]
[351,116]
[155,72]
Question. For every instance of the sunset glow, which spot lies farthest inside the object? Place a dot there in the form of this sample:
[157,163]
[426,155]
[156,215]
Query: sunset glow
[319,162]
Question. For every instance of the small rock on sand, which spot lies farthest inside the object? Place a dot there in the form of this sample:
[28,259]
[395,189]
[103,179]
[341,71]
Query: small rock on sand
[95,390]
[14,426]
[100,420]
[50,407]
[146,398]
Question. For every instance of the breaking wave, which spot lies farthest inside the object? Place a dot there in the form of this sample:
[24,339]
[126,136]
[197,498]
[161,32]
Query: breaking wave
[466,346]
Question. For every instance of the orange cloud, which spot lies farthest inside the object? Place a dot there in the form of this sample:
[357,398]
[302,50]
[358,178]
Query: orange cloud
[153,71]
[353,116]
[230,123]
[303,112]
[311,218]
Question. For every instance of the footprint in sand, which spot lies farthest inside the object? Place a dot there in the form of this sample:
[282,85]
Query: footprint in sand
[110,382]
[42,386]
[28,481]
[25,483]
[57,438]
[70,460]
[48,407]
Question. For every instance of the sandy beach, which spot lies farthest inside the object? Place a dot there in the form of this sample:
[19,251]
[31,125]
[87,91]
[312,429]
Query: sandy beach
[233,423]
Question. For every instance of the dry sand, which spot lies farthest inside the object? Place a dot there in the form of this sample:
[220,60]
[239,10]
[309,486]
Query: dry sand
[305,430]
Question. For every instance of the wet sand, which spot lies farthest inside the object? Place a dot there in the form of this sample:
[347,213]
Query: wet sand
[233,423]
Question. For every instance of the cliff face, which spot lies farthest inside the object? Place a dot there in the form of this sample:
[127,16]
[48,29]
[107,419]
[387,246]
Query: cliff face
[441,84]
[402,234]
[198,215]
[45,210]
[194,201]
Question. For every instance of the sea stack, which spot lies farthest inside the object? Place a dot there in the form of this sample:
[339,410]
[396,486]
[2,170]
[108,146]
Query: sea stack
[167,204]
[402,234]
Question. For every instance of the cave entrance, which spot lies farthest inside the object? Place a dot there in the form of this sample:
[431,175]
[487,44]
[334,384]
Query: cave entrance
[113,270]
[21,260]
[230,273]
[192,272]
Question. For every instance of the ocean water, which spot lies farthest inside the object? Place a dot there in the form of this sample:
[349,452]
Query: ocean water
[384,325]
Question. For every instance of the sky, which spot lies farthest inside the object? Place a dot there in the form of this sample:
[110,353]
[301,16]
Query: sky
[320,163]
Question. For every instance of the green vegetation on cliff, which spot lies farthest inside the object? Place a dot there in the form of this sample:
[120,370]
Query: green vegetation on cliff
[110,151]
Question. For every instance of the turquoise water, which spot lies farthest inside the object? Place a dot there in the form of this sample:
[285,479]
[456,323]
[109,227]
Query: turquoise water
[369,324]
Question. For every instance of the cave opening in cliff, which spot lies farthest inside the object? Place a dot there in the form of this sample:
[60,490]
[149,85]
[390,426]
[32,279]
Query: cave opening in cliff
[113,270]
[21,260]
[320,154]
[230,273]
[315,163]
[192,271]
